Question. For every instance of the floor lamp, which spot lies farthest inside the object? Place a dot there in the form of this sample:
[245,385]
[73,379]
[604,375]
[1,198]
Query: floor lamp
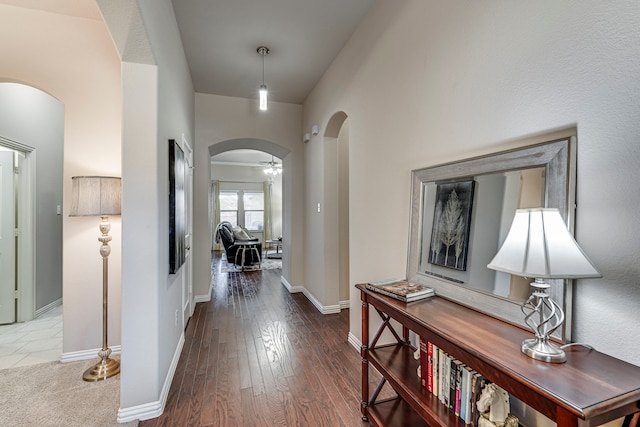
[99,196]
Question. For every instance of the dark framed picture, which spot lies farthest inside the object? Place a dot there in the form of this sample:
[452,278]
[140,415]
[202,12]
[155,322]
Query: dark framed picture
[177,207]
[451,224]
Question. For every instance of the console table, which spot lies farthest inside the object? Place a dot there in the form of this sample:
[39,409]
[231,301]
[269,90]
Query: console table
[591,388]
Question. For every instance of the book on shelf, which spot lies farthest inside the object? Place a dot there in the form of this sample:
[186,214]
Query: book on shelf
[455,385]
[434,370]
[425,365]
[402,290]
[457,388]
[465,395]
[446,379]
[429,376]
[478,383]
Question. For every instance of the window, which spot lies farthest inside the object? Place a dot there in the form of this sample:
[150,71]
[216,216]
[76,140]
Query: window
[229,207]
[244,208]
[253,210]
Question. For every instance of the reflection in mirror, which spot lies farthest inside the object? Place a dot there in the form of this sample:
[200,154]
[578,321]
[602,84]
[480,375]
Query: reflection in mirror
[460,237]
[462,211]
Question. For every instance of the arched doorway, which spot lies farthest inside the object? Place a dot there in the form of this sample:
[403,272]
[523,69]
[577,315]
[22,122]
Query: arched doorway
[32,125]
[278,152]
[337,181]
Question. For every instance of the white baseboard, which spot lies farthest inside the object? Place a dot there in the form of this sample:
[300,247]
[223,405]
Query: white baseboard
[202,298]
[345,304]
[153,409]
[290,288]
[355,342]
[47,308]
[324,309]
[74,356]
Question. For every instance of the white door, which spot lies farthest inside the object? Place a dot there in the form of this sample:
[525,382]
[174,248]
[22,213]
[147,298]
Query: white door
[187,291]
[7,239]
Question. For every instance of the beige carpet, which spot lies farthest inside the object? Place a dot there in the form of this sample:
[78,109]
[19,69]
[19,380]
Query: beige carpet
[54,395]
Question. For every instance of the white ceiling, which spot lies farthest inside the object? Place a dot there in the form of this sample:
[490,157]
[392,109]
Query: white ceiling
[220,39]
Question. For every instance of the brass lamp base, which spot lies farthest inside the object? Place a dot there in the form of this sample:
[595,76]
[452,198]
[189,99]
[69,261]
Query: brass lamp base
[102,370]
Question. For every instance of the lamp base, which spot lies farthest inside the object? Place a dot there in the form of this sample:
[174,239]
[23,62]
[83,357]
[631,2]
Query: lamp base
[102,370]
[542,349]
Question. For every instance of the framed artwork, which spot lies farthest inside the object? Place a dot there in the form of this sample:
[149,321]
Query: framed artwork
[451,224]
[177,207]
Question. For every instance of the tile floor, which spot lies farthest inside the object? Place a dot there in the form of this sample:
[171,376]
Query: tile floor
[29,343]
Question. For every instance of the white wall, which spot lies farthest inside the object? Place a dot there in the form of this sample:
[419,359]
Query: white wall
[73,59]
[220,119]
[157,106]
[457,79]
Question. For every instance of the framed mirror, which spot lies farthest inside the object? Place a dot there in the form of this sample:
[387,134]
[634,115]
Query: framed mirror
[462,211]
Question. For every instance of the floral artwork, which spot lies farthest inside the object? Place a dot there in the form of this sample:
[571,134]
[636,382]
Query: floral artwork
[451,224]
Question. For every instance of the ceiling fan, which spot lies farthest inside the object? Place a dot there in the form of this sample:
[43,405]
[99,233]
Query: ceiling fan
[272,167]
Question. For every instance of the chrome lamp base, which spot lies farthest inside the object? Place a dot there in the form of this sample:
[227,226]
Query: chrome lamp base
[543,315]
[542,349]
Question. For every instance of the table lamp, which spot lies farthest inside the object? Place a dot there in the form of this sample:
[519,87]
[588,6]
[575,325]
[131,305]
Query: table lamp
[539,246]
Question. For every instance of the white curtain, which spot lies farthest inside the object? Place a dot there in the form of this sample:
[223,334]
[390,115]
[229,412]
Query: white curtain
[268,223]
[214,212]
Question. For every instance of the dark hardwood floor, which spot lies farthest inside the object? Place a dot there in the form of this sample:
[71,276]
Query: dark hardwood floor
[256,355]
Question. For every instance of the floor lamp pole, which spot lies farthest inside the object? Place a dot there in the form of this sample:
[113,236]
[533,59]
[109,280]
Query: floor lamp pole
[106,367]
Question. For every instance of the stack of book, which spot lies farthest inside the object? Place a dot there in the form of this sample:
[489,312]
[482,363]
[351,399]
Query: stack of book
[457,386]
[402,290]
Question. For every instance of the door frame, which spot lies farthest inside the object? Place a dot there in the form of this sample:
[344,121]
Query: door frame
[187,292]
[26,239]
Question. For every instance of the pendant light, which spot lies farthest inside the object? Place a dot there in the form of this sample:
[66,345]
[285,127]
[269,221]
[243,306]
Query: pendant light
[263,51]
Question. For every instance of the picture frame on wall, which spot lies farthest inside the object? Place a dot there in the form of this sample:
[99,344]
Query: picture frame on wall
[451,224]
[177,207]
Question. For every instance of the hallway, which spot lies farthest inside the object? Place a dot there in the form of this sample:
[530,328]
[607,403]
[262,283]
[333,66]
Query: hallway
[256,355]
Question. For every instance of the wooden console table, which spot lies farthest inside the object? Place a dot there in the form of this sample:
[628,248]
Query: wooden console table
[591,388]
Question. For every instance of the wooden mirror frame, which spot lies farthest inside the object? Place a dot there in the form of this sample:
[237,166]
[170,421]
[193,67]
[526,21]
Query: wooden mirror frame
[559,160]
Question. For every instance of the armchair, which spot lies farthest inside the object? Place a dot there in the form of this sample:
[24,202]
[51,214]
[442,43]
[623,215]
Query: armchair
[230,236]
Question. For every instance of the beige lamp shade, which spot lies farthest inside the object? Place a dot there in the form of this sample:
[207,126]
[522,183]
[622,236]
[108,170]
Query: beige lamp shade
[95,196]
[539,245]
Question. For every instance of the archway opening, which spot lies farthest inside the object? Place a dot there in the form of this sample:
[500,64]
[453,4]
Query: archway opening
[337,182]
[237,172]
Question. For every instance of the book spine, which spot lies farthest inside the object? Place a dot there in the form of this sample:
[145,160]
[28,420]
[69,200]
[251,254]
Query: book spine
[383,292]
[424,371]
[434,373]
[427,377]
[472,400]
[464,374]
[477,390]
[453,375]
[441,374]
[467,396]
[459,367]
[446,377]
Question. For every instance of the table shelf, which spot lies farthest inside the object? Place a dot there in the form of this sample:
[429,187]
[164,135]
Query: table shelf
[590,389]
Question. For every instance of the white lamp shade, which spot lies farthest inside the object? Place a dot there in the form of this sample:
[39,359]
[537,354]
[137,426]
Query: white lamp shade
[95,196]
[263,97]
[539,245]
